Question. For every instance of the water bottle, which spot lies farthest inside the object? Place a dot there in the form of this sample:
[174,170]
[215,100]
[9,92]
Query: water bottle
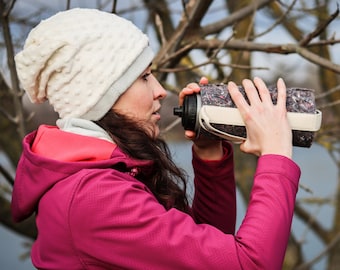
[213,112]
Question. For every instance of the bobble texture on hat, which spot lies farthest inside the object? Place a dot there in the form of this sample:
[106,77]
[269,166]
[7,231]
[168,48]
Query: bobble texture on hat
[81,61]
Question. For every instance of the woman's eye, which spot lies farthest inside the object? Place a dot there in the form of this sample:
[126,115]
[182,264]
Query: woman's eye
[145,76]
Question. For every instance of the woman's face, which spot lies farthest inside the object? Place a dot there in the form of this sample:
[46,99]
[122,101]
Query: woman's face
[142,101]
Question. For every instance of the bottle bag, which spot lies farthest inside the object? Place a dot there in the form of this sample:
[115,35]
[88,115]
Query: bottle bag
[213,111]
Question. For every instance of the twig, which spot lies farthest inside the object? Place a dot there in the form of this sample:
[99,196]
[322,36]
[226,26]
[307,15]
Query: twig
[324,252]
[319,29]
[184,5]
[234,17]
[319,43]
[176,53]
[314,225]
[220,47]
[68,4]
[288,48]
[7,175]
[160,28]
[305,188]
[7,115]
[209,62]
[7,9]
[327,93]
[330,104]
[114,6]
[278,21]
[16,92]
[316,201]
[171,125]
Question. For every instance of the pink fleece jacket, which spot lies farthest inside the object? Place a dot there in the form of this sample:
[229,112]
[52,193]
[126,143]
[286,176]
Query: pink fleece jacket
[92,216]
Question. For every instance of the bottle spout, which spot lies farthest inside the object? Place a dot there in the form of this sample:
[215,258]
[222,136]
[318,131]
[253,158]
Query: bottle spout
[178,111]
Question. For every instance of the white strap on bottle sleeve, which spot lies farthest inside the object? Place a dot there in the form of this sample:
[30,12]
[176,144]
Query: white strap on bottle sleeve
[231,116]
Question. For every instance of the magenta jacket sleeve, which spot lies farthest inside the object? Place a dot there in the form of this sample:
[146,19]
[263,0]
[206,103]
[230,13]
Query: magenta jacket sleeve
[114,222]
[263,236]
[215,192]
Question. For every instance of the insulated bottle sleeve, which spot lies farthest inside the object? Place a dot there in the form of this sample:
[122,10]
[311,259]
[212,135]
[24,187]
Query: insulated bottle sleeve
[214,112]
[209,115]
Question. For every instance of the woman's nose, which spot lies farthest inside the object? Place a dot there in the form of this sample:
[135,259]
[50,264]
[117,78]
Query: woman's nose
[159,91]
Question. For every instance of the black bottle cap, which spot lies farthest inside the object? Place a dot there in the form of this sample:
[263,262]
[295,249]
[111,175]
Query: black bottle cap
[188,112]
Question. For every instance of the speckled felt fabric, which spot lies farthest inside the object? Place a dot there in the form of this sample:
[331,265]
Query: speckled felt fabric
[298,100]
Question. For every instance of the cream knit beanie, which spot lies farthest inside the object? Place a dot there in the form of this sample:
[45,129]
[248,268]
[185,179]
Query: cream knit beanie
[81,61]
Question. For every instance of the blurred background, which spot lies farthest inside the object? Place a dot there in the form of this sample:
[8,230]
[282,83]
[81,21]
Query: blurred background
[297,40]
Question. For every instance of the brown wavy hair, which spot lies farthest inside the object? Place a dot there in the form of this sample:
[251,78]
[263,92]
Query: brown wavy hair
[166,181]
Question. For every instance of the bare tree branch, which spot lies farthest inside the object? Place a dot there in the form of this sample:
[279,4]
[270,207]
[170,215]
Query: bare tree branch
[307,265]
[16,92]
[234,17]
[278,21]
[7,175]
[312,223]
[288,48]
[193,7]
[319,29]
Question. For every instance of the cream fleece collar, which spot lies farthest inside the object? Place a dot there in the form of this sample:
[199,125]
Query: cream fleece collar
[83,127]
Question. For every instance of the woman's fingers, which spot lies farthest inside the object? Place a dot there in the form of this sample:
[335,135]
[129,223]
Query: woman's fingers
[237,97]
[204,80]
[263,91]
[281,93]
[268,131]
[251,92]
[191,88]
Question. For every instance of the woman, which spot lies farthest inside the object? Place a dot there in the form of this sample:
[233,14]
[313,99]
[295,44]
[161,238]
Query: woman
[101,183]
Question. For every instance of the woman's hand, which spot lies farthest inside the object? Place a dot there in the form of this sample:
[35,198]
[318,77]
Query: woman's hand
[205,148]
[268,130]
